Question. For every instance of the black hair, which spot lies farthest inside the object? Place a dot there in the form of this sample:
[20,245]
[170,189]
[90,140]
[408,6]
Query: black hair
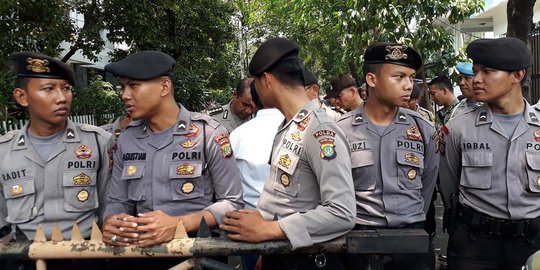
[371,68]
[21,82]
[255,96]
[289,72]
[243,85]
[443,82]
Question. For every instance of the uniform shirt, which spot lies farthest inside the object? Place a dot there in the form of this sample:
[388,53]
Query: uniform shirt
[226,117]
[462,106]
[425,113]
[310,187]
[333,112]
[182,175]
[443,115]
[495,174]
[252,146]
[66,188]
[394,173]
[112,127]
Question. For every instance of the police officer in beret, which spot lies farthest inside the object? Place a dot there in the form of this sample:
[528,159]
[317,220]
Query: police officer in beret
[394,164]
[52,171]
[310,187]
[416,96]
[466,86]
[239,110]
[345,91]
[490,172]
[171,165]
[311,85]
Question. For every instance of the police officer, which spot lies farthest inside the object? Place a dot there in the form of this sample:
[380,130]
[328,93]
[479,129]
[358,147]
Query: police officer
[238,110]
[310,186]
[53,171]
[416,95]
[345,91]
[119,124]
[442,93]
[171,166]
[490,173]
[466,86]
[311,85]
[393,158]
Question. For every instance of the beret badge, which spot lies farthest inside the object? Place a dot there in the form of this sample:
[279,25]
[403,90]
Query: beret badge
[396,52]
[37,65]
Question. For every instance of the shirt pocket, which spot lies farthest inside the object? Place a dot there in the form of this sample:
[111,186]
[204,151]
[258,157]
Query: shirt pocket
[362,165]
[133,173]
[287,184]
[20,198]
[186,180]
[410,166]
[80,193]
[476,169]
[533,172]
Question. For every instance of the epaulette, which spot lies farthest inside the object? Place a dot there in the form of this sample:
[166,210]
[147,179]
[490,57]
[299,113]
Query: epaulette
[203,117]
[215,111]
[417,115]
[322,116]
[98,130]
[8,136]
[345,116]
[537,106]
[463,113]
[134,123]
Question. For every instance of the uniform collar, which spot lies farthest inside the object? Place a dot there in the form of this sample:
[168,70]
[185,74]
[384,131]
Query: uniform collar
[183,122]
[358,116]
[485,115]
[401,117]
[71,134]
[306,110]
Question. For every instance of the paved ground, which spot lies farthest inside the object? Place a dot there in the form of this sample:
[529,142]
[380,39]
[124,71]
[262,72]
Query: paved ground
[441,239]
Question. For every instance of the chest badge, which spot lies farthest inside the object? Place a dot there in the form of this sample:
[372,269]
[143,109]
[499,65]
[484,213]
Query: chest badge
[188,187]
[188,144]
[411,174]
[131,170]
[185,169]
[285,161]
[328,150]
[536,135]
[83,195]
[538,181]
[193,131]
[303,124]
[82,180]
[296,136]
[83,152]
[16,190]
[414,134]
[412,159]
[285,180]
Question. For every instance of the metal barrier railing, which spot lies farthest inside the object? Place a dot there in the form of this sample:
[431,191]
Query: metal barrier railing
[382,241]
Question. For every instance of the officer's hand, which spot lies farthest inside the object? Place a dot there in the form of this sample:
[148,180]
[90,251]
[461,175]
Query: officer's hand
[155,228]
[248,225]
[119,227]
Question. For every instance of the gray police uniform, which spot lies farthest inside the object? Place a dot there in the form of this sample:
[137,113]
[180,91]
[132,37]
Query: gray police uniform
[394,173]
[193,168]
[333,112]
[67,188]
[462,106]
[310,186]
[494,174]
[425,113]
[226,117]
[112,127]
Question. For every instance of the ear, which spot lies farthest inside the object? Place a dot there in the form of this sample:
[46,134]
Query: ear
[316,89]
[166,87]
[518,76]
[371,79]
[20,96]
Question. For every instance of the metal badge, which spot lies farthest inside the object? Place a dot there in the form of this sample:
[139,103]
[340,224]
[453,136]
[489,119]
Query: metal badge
[131,170]
[16,190]
[296,136]
[225,114]
[411,174]
[193,131]
[538,181]
[83,195]
[181,126]
[412,159]
[37,65]
[285,181]
[83,152]
[185,169]
[536,135]
[414,134]
[285,161]
[82,179]
[320,260]
[483,116]
[402,117]
[396,52]
[533,117]
[188,187]
[328,150]
[358,118]
[303,124]
[70,133]
[188,144]
[21,141]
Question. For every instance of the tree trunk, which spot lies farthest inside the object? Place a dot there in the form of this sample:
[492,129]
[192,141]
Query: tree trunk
[354,72]
[520,25]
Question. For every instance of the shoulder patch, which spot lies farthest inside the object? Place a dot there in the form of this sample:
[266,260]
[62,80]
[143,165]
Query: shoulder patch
[98,130]
[195,116]
[215,111]
[8,136]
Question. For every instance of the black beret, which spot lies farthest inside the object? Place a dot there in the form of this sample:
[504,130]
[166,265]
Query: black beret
[309,78]
[506,53]
[339,83]
[416,92]
[37,65]
[271,52]
[143,65]
[392,53]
